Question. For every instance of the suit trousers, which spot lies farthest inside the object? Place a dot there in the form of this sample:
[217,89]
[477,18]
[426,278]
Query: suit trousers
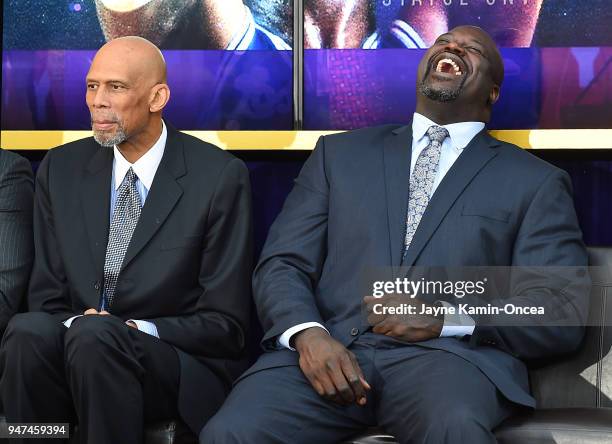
[108,376]
[419,395]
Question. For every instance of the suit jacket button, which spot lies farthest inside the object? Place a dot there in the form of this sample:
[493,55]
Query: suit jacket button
[97,285]
[354,331]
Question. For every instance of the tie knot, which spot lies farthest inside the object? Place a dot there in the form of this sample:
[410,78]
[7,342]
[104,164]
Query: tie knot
[130,176]
[437,134]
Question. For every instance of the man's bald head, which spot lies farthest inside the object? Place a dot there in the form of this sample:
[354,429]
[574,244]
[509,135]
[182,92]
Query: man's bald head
[126,92]
[140,56]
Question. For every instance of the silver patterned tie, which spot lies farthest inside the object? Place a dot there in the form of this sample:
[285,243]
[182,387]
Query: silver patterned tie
[421,181]
[125,218]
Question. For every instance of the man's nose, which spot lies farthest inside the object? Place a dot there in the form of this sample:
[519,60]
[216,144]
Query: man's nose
[100,98]
[455,48]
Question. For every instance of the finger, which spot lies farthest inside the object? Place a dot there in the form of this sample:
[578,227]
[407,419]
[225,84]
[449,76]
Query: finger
[362,378]
[329,389]
[374,318]
[308,373]
[314,382]
[318,387]
[104,312]
[383,327]
[397,331]
[370,299]
[352,376]
[343,388]
[90,311]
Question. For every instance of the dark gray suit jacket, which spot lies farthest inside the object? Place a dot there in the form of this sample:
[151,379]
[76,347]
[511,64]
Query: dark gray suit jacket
[188,265]
[497,206]
[16,245]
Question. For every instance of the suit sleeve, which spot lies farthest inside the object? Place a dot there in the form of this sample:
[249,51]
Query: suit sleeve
[48,291]
[218,327]
[16,243]
[550,271]
[292,258]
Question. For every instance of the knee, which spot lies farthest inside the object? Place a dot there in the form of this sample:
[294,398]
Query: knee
[460,419]
[452,422]
[92,335]
[221,428]
[216,430]
[38,329]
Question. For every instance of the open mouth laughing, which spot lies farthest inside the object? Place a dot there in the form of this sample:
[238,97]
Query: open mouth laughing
[448,65]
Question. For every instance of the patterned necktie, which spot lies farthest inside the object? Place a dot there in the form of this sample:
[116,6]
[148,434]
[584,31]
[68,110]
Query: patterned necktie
[125,218]
[422,179]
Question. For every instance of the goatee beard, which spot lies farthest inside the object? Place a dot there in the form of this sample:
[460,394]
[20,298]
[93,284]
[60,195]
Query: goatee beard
[110,140]
[441,94]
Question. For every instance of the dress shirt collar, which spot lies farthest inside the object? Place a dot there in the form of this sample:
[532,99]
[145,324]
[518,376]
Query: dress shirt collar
[145,167]
[460,133]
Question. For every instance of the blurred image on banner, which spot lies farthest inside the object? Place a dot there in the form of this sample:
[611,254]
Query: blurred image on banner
[233,57]
[556,53]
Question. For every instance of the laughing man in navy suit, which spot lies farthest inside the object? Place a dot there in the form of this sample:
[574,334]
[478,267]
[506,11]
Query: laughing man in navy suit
[438,192]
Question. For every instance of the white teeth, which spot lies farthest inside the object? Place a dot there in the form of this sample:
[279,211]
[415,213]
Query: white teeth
[450,62]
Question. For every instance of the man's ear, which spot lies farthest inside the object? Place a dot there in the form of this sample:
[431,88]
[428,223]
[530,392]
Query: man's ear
[160,95]
[493,95]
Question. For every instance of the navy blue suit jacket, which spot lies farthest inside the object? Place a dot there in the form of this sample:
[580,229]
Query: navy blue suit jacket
[497,206]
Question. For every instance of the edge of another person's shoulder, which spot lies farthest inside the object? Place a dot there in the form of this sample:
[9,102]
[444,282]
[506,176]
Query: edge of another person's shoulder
[10,160]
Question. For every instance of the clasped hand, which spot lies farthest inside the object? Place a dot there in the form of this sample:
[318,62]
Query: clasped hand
[93,311]
[404,318]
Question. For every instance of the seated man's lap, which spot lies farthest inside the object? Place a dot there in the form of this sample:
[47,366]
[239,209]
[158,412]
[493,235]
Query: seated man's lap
[278,405]
[41,336]
[414,388]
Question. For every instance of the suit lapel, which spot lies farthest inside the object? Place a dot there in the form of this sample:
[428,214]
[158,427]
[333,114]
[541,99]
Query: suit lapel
[473,158]
[396,153]
[163,195]
[95,200]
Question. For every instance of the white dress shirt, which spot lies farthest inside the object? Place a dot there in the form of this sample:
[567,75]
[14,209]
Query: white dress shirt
[145,169]
[460,135]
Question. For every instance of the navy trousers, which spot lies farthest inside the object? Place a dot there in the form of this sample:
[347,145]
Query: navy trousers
[419,395]
[109,377]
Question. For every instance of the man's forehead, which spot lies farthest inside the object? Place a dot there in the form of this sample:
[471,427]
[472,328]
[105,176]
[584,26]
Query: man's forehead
[105,68]
[473,34]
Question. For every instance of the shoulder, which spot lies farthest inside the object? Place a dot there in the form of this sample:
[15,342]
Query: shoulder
[72,154]
[206,158]
[12,163]
[361,137]
[523,163]
[359,143]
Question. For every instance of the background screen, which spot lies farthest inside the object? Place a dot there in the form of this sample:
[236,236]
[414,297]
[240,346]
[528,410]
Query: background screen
[361,58]
[229,62]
